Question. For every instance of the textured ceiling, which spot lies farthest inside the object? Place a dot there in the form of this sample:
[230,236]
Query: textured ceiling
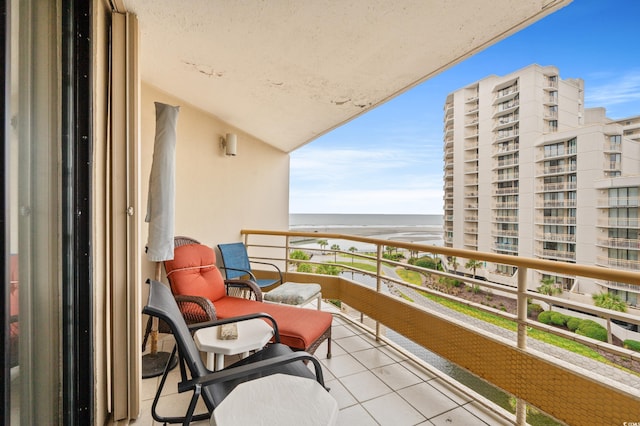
[287,72]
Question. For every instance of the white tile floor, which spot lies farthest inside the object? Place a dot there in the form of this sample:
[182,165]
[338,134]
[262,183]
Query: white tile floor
[373,383]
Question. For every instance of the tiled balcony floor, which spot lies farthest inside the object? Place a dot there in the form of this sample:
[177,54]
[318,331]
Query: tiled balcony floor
[373,382]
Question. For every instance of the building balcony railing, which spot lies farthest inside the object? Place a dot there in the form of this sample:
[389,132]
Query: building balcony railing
[532,376]
[629,264]
[620,286]
[504,232]
[549,236]
[612,147]
[605,202]
[556,254]
[550,204]
[625,243]
[554,170]
[504,149]
[506,205]
[509,162]
[505,134]
[560,186]
[505,219]
[513,190]
[556,220]
[506,247]
[502,177]
[619,222]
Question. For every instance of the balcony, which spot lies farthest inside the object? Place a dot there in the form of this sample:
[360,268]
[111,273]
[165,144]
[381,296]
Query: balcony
[560,169]
[561,237]
[388,309]
[556,220]
[605,202]
[624,243]
[555,204]
[619,222]
[556,254]
[557,186]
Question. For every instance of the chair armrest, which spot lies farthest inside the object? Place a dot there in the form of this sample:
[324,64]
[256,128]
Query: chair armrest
[246,271]
[274,324]
[234,373]
[195,309]
[247,285]
[270,264]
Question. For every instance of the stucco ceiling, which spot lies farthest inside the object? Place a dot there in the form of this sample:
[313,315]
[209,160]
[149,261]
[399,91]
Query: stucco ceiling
[287,72]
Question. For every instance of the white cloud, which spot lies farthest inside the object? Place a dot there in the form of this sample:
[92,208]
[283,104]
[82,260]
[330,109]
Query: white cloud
[368,176]
[613,90]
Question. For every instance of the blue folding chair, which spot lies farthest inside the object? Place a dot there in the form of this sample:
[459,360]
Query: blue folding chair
[237,265]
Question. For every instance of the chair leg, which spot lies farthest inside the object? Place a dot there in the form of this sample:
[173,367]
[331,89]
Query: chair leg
[329,347]
[157,417]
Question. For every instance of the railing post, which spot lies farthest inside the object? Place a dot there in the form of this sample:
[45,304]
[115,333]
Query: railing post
[286,257]
[378,281]
[521,406]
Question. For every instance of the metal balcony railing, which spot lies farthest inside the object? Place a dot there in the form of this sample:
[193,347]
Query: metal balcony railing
[555,385]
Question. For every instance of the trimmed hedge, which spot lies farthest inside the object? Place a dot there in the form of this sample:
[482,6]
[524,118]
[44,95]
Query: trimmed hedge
[587,328]
[634,345]
[559,319]
[573,323]
[593,330]
[545,317]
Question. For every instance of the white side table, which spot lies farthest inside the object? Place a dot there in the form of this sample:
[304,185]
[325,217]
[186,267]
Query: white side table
[252,334]
[277,399]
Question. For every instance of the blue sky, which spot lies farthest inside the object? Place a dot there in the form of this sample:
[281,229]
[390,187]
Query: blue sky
[389,161]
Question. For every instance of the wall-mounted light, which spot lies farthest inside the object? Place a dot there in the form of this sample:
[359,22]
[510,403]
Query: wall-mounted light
[229,144]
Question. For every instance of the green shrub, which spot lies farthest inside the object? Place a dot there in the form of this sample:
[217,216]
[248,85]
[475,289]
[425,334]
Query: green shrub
[573,323]
[558,319]
[327,270]
[533,309]
[298,255]
[426,262]
[305,267]
[634,345]
[592,329]
[545,317]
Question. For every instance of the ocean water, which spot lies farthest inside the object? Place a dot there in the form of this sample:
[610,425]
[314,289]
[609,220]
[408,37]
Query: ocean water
[415,228]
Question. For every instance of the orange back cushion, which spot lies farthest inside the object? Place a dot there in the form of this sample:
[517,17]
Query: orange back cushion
[193,272]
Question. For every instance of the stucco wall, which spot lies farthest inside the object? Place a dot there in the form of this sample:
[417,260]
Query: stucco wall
[216,195]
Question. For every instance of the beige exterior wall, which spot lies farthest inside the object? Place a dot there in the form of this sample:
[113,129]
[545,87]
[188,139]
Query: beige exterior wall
[216,195]
[473,133]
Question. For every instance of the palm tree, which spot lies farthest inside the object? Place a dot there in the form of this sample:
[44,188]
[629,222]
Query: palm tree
[352,250]
[454,264]
[335,249]
[610,301]
[473,265]
[549,286]
[323,244]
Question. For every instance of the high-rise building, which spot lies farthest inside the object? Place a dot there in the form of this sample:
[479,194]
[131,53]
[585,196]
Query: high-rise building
[529,171]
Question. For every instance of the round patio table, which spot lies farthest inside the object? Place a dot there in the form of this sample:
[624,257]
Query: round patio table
[278,399]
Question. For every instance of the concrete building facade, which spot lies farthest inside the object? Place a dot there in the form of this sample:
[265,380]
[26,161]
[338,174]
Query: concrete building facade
[528,171]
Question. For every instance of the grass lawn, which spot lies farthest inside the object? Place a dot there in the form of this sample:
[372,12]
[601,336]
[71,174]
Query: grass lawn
[549,338]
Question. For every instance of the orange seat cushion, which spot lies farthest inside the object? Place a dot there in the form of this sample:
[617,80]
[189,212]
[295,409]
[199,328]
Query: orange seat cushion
[193,272]
[298,327]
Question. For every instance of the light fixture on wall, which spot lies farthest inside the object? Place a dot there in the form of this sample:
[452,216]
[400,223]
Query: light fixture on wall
[230,144]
